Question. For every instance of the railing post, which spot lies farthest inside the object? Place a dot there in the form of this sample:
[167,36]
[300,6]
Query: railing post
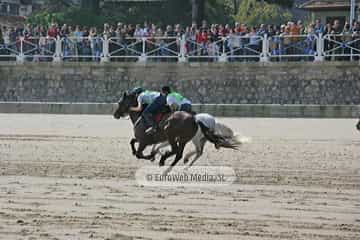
[58,53]
[319,49]
[264,57]
[143,57]
[182,55]
[105,53]
[223,57]
[20,58]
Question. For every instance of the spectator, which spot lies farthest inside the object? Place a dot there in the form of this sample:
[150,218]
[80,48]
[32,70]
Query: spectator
[336,28]
[53,31]
[262,30]
[131,30]
[1,36]
[202,41]
[95,44]
[347,38]
[356,36]
[106,31]
[310,41]
[254,42]
[300,27]
[233,43]
[319,28]
[285,43]
[28,32]
[6,37]
[138,31]
[208,40]
[271,30]
[336,39]
[146,30]
[213,50]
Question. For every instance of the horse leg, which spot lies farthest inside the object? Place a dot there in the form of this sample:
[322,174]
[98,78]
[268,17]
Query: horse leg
[199,151]
[174,150]
[139,154]
[179,154]
[188,156]
[132,143]
[156,148]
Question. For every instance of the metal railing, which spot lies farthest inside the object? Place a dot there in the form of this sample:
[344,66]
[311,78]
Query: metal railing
[293,47]
[341,46]
[38,49]
[142,49]
[310,47]
[229,48]
[82,48]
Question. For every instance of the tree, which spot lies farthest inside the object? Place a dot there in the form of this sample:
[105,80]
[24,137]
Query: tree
[254,12]
[282,3]
[92,5]
[198,7]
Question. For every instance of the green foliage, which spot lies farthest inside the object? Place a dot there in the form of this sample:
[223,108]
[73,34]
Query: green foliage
[160,13]
[45,18]
[254,12]
[283,3]
[219,11]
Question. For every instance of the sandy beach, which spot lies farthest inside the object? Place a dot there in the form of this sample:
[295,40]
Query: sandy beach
[73,177]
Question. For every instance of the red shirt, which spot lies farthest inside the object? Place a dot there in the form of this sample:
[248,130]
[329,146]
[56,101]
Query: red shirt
[52,32]
[202,37]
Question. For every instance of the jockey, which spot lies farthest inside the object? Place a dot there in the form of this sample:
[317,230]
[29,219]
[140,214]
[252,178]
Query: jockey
[207,124]
[177,102]
[144,98]
[208,121]
[149,103]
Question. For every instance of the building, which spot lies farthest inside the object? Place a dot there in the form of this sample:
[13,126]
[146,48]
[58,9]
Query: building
[329,10]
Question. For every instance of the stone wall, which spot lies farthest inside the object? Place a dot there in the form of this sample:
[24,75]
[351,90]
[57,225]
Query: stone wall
[226,83]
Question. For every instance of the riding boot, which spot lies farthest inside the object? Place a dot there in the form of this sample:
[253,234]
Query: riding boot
[149,123]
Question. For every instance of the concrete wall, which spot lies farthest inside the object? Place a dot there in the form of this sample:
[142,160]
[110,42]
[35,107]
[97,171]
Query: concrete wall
[229,83]
[222,110]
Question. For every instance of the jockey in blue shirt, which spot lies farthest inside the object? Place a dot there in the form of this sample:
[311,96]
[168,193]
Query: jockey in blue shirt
[156,103]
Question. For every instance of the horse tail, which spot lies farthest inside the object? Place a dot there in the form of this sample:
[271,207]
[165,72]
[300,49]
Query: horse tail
[223,130]
[217,139]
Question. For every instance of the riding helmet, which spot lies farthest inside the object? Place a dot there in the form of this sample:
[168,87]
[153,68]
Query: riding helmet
[137,90]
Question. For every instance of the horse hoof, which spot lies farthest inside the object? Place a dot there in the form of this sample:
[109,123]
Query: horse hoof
[162,163]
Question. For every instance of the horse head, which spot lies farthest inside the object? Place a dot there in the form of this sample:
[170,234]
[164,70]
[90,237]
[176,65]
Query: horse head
[125,103]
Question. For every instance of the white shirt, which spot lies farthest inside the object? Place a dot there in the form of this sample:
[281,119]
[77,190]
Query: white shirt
[147,97]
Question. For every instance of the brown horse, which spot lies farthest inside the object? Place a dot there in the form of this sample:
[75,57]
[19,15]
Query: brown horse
[178,129]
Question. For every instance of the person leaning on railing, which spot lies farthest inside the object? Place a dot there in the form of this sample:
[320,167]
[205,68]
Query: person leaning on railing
[1,36]
[346,40]
[336,32]
[356,39]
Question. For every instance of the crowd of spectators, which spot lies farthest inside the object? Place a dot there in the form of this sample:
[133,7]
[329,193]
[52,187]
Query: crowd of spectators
[201,42]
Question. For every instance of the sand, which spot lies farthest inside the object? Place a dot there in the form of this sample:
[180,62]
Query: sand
[72,177]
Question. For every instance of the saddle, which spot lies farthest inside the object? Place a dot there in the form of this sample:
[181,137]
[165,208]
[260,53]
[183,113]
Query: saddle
[160,119]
